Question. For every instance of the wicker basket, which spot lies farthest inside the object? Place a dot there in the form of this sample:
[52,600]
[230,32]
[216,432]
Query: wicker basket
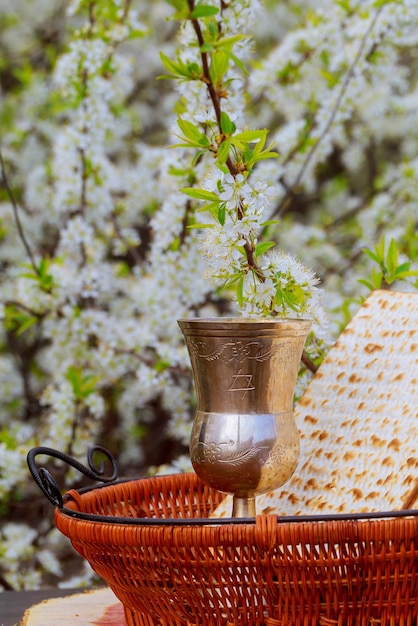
[176,568]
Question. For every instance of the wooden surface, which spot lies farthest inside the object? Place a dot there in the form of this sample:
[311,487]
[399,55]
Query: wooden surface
[61,608]
[13,604]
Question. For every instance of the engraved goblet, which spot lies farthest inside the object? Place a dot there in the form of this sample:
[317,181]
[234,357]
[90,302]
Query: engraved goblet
[244,439]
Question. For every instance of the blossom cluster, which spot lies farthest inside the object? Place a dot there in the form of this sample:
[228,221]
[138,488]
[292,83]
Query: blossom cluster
[129,202]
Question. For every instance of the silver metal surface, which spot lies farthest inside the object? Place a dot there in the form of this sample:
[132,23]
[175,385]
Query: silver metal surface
[244,439]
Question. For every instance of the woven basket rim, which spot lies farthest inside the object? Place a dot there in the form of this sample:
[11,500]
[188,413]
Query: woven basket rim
[211,521]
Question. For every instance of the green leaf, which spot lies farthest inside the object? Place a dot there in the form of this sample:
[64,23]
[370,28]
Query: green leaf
[8,438]
[206,47]
[227,125]
[161,365]
[380,249]
[204,10]
[197,156]
[258,153]
[218,67]
[203,225]
[204,141]
[287,298]
[251,136]
[332,78]
[26,322]
[234,278]
[178,171]
[403,273]
[228,42]
[389,268]
[193,137]
[189,130]
[381,3]
[262,247]
[170,65]
[372,255]
[182,9]
[19,320]
[221,214]
[200,194]
[376,279]
[237,62]
[366,283]
[223,152]
[83,385]
[40,275]
[177,4]
[392,257]
[266,155]
[179,69]
[404,267]
[189,144]
[211,208]
[240,291]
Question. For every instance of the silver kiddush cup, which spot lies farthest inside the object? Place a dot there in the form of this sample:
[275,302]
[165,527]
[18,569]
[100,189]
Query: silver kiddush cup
[244,440]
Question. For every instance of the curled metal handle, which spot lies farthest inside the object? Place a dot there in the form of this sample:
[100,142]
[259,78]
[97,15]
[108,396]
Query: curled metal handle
[47,483]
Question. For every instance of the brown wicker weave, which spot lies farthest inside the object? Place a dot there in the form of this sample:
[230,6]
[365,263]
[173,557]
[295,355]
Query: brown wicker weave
[316,573]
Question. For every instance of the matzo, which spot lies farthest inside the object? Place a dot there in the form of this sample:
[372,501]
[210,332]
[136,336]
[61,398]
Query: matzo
[358,420]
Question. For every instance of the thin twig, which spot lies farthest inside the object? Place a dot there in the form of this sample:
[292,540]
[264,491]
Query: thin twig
[23,307]
[7,586]
[308,363]
[332,117]
[16,215]
[149,362]
[216,101]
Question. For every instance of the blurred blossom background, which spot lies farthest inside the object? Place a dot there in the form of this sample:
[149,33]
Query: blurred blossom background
[97,257]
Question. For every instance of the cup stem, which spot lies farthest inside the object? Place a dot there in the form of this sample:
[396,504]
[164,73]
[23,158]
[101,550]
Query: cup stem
[243,506]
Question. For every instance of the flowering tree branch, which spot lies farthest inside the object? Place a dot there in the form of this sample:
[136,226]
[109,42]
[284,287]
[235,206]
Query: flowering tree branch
[15,207]
[230,164]
[259,284]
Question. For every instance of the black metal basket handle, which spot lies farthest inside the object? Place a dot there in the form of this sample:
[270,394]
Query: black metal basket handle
[47,483]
